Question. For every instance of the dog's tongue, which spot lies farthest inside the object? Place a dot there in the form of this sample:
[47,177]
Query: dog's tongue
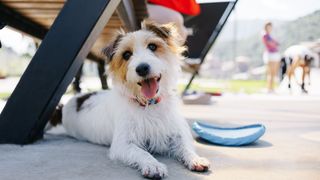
[149,87]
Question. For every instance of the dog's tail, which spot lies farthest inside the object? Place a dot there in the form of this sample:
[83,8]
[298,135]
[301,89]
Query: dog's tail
[56,118]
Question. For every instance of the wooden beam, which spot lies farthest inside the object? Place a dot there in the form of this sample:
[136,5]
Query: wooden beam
[18,1]
[52,68]
[26,25]
[35,5]
[18,21]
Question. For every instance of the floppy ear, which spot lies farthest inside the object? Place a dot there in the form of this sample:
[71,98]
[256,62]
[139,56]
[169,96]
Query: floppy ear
[164,31]
[110,49]
[168,32]
[160,30]
[308,58]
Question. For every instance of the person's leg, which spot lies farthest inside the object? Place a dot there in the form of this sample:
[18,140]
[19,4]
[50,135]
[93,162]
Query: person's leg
[276,66]
[272,75]
[269,80]
[273,72]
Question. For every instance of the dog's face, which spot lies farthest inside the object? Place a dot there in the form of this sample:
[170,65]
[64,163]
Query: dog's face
[145,61]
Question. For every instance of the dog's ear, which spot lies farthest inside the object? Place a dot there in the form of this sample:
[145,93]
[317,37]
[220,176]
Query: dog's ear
[164,31]
[308,58]
[168,32]
[110,49]
[160,30]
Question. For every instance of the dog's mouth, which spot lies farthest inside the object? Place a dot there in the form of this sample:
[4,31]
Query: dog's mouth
[150,86]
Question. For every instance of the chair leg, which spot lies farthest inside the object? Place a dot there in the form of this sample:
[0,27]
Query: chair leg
[52,69]
[102,74]
[77,80]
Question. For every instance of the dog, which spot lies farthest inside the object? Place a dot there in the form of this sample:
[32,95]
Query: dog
[140,115]
[297,56]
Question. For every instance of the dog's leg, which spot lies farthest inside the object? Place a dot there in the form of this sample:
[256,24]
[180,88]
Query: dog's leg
[292,68]
[289,74]
[304,73]
[132,155]
[181,147]
[308,74]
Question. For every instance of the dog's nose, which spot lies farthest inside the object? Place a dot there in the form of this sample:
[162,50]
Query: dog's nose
[143,69]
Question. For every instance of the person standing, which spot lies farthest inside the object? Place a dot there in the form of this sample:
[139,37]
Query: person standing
[271,56]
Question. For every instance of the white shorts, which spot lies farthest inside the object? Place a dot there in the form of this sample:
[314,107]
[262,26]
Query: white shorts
[271,57]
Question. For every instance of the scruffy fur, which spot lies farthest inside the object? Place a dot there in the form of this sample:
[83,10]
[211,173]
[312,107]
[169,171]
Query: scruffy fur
[132,131]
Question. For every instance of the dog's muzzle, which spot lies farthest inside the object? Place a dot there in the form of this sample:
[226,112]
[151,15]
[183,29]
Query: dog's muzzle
[150,83]
[150,86]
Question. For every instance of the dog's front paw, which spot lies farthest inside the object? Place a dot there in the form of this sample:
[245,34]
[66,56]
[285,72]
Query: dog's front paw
[154,170]
[198,164]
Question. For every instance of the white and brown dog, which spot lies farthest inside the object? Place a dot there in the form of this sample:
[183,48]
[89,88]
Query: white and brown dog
[297,56]
[140,115]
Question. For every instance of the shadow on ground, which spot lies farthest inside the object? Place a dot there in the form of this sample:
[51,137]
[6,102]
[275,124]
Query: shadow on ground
[257,144]
[62,157]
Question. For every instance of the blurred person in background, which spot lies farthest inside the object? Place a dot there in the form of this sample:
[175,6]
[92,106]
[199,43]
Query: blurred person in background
[170,11]
[271,56]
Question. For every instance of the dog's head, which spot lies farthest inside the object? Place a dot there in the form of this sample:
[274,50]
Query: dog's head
[145,63]
[308,59]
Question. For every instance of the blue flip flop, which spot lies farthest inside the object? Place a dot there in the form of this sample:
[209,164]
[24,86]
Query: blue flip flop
[237,136]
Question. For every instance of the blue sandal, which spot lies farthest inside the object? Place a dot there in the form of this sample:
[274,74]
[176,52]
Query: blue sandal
[237,136]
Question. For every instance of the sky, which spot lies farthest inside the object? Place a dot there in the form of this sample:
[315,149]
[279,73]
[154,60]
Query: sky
[275,9]
[272,9]
[245,10]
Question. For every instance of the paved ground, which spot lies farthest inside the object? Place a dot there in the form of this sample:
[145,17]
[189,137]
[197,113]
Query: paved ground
[290,148]
[313,86]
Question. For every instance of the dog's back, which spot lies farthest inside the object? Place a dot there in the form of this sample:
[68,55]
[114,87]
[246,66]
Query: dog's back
[87,116]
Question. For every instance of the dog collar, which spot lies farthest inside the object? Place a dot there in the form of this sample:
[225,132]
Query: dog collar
[149,101]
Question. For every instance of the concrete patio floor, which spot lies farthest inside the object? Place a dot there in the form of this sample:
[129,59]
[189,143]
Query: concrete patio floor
[289,150]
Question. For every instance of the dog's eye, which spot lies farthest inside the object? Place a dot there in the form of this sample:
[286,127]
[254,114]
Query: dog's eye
[152,47]
[126,55]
